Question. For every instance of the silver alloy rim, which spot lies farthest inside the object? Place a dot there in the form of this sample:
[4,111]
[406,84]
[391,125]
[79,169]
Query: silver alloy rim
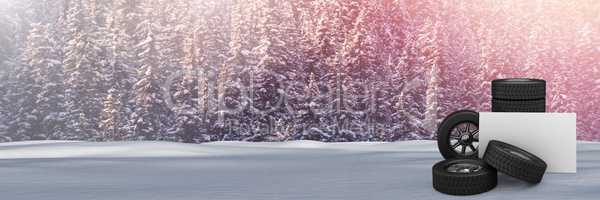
[463,168]
[464,138]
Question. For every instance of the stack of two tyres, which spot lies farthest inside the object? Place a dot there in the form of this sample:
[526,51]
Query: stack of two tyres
[519,95]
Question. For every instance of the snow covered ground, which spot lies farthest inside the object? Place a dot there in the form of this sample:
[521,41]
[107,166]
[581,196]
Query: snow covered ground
[258,171]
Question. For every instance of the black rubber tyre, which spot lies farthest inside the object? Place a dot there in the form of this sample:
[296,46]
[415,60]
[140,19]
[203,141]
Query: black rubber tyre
[474,177]
[514,161]
[519,106]
[519,89]
[445,135]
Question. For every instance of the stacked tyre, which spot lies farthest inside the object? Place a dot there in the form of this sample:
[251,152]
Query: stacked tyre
[518,95]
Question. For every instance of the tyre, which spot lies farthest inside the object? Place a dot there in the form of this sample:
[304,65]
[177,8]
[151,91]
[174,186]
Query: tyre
[464,177]
[519,89]
[519,106]
[458,135]
[514,161]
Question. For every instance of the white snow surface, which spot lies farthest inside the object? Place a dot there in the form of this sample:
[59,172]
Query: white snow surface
[71,149]
[65,170]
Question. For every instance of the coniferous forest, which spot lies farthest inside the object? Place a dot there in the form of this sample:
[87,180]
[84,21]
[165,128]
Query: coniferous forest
[276,70]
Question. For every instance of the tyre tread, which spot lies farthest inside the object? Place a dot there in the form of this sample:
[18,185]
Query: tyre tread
[513,165]
[518,106]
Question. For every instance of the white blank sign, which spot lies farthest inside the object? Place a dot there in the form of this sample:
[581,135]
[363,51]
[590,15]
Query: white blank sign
[550,136]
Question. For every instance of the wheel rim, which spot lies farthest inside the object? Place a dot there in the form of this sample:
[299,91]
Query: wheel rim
[464,138]
[463,168]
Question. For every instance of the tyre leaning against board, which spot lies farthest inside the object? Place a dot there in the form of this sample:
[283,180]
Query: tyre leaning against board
[514,161]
